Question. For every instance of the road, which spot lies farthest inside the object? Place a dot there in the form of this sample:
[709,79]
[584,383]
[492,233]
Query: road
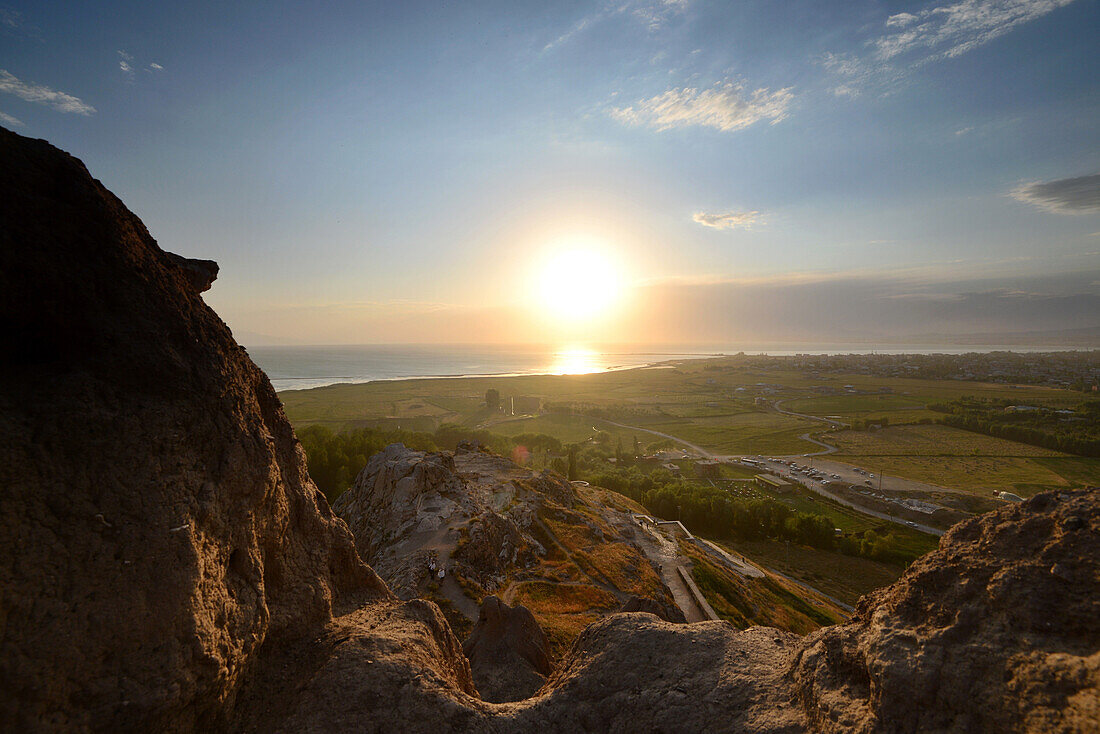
[702,451]
[784,471]
[815,486]
[828,421]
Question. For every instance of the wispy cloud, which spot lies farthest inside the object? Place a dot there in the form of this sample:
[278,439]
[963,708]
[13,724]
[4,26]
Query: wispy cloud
[653,13]
[156,67]
[126,65]
[910,40]
[947,31]
[725,107]
[11,121]
[14,23]
[1077,195]
[41,94]
[727,220]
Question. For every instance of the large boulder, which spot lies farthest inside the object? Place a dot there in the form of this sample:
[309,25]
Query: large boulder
[398,492]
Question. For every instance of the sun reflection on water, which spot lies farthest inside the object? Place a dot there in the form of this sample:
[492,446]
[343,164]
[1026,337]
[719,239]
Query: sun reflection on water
[575,362]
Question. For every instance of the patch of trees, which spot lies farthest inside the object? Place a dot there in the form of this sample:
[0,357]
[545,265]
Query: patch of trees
[704,509]
[1077,433]
[334,459]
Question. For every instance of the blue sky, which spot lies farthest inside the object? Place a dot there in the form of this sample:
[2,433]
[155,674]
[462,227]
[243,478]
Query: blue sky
[379,172]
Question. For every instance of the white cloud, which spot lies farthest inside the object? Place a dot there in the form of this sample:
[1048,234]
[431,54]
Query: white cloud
[900,20]
[727,220]
[936,33]
[41,94]
[951,30]
[126,65]
[11,121]
[156,67]
[725,107]
[1077,195]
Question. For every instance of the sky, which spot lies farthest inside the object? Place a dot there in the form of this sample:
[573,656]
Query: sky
[689,171]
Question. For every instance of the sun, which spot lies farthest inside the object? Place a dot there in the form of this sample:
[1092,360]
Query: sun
[578,283]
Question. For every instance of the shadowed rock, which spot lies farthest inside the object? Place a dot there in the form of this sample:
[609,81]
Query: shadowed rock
[508,652]
[649,606]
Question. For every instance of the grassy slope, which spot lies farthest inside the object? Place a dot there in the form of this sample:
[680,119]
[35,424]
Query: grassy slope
[770,601]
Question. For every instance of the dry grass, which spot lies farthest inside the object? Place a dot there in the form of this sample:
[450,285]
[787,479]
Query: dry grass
[933,440]
[770,601]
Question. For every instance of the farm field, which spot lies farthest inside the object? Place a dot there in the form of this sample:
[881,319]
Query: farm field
[930,440]
[958,459]
[985,474]
[728,407]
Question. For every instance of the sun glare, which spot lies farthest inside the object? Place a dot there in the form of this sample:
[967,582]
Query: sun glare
[579,283]
[575,362]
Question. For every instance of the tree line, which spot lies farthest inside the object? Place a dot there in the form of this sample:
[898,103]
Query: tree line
[706,510]
[1078,433]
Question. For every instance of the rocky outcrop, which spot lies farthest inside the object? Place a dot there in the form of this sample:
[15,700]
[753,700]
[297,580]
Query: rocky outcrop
[167,564]
[508,652]
[638,604]
[399,492]
[160,529]
[998,630]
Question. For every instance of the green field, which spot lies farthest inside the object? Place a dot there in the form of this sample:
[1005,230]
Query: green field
[929,441]
[727,407]
[958,459]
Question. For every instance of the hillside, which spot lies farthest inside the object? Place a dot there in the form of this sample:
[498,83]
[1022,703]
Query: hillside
[456,528]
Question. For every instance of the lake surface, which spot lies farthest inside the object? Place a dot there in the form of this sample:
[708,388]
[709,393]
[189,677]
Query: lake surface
[299,368]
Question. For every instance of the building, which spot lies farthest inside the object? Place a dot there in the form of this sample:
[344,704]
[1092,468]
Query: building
[767,482]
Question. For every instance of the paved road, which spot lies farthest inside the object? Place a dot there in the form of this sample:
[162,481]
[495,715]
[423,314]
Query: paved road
[828,421]
[818,488]
[784,471]
[702,451]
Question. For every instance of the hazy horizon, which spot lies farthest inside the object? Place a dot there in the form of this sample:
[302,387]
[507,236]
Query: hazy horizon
[661,171]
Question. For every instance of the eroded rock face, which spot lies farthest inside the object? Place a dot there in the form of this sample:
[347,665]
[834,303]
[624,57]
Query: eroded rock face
[998,630]
[399,492]
[508,652]
[159,527]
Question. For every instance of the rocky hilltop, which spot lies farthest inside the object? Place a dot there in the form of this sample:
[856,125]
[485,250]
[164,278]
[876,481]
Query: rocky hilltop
[169,566]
